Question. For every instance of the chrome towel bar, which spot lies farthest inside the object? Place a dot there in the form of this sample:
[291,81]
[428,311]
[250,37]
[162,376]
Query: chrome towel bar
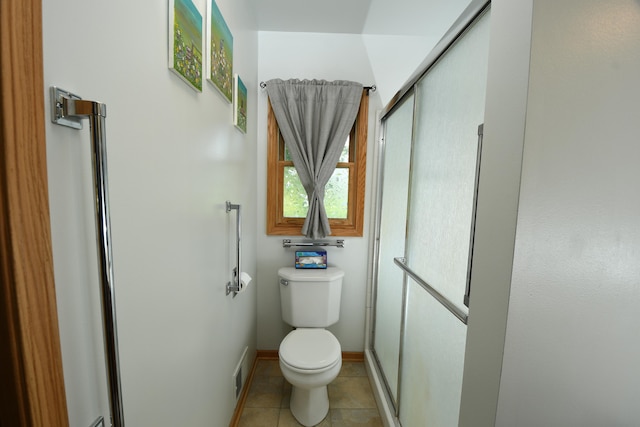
[400,262]
[69,110]
[288,243]
[234,285]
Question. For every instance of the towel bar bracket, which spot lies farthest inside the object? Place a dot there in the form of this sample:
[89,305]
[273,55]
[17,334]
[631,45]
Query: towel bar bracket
[58,103]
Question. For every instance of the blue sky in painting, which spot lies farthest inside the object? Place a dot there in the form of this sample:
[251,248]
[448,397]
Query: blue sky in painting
[242,88]
[189,11]
[220,23]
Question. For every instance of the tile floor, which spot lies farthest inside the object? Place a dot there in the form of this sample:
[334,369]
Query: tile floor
[351,401]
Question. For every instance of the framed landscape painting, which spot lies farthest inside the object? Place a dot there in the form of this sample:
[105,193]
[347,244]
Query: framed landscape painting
[185,42]
[240,107]
[220,52]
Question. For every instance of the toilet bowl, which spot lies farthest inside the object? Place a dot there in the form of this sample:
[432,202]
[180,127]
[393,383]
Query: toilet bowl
[310,358]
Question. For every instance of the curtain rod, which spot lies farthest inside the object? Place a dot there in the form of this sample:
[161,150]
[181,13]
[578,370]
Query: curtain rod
[372,88]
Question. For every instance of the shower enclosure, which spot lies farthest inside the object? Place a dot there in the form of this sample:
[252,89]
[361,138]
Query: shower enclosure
[429,164]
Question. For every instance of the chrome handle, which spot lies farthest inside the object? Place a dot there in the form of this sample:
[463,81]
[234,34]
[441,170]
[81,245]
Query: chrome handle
[235,287]
[284,282]
[461,315]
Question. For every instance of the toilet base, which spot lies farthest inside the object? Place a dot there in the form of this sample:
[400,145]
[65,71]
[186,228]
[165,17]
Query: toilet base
[309,406]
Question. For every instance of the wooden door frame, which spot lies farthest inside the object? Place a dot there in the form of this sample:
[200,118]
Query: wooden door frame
[31,379]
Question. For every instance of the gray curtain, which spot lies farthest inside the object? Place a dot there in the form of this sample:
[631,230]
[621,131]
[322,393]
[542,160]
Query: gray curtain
[315,118]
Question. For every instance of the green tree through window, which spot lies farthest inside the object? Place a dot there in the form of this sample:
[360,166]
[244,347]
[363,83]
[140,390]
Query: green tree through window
[336,198]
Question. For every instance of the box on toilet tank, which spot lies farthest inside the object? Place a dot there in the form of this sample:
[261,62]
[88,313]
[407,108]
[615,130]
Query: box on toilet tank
[311,259]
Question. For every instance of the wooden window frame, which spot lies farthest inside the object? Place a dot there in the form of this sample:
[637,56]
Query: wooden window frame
[353,225]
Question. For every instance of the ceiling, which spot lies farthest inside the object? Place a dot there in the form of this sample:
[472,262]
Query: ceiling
[375,17]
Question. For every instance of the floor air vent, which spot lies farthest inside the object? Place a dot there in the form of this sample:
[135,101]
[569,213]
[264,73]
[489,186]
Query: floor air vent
[237,375]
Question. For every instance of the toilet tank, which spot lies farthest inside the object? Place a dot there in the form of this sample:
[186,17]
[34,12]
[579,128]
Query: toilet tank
[310,298]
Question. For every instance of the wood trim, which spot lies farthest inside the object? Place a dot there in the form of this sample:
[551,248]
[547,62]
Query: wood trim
[353,356]
[31,380]
[272,178]
[361,163]
[353,226]
[267,354]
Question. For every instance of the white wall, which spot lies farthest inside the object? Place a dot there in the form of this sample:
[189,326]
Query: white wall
[400,35]
[427,18]
[174,159]
[395,58]
[329,57]
[572,347]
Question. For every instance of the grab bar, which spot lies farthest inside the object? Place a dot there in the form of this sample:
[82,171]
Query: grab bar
[287,243]
[235,287]
[69,110]
[400,262]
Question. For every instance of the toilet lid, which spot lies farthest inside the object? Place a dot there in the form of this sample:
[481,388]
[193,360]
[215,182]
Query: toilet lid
[310,349]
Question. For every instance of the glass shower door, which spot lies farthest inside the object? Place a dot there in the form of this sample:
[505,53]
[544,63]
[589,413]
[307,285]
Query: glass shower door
[391,233]
[428,183]
[449,108]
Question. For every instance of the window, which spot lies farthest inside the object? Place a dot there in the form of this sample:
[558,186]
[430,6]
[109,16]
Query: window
[344,193]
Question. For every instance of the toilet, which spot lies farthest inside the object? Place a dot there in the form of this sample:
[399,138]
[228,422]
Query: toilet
[310,355]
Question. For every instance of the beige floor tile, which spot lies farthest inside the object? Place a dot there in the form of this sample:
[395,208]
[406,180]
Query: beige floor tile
[265,392]
[351,393]
[288,420]
[286,395]
[353,369]
[355,418]
[351,399]
[259,417]
[268,368]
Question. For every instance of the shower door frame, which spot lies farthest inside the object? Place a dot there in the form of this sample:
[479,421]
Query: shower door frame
[394,403]
[475,9]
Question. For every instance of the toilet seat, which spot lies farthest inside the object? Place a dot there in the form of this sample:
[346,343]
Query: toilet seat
[310,349]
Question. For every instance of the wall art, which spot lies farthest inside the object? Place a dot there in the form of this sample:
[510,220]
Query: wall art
[240,107]
[185,42]
[219,51]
